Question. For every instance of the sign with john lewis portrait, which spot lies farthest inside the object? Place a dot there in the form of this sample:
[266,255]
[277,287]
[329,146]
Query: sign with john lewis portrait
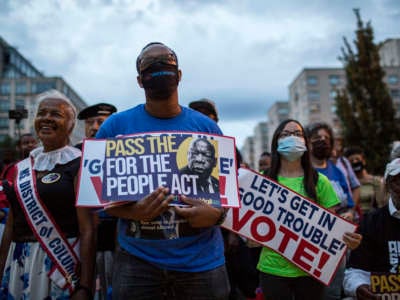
[128,168]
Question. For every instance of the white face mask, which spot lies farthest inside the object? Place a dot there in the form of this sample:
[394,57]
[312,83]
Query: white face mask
[291,147]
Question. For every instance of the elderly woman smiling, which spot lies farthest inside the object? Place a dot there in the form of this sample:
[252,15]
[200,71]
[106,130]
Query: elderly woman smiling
[45,260]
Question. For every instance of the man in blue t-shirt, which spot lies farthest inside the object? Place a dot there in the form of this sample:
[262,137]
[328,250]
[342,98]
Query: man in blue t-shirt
[165,252]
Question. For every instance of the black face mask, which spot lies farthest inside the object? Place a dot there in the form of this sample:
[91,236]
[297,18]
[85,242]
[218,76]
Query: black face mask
[160,80]
[357,166]
[321,149]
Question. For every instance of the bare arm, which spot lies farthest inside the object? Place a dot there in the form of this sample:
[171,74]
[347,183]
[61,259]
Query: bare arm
[6,241]
[88,237]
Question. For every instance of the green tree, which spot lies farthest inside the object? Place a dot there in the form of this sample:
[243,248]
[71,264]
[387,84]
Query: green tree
[365,107]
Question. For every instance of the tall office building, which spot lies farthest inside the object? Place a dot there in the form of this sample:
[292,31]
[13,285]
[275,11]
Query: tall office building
[260,141]
[247,151]
[20,83]
[278,112]
[389,53]
[312,94]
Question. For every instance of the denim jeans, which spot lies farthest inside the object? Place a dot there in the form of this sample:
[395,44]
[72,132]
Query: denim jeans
[137,279]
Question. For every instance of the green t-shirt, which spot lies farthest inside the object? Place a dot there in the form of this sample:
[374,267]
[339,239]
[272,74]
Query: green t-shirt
[273,263]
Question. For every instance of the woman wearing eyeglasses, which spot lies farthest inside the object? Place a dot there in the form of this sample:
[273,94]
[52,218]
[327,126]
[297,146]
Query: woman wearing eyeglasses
[291,166]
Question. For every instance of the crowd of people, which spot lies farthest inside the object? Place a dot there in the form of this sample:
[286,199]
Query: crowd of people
[52,249]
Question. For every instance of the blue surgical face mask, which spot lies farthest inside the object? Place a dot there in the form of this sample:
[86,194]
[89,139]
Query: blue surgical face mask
[291,147]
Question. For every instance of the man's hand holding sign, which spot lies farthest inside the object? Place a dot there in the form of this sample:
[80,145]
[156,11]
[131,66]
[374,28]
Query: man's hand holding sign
[139,177]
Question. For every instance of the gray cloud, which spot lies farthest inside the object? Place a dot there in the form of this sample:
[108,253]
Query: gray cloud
[242,53]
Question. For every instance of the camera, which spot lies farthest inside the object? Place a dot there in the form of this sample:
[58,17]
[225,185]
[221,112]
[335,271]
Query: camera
[18,114]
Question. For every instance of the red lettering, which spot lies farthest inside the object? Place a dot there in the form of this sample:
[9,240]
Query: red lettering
[238,223]
[271,229]
[301,252]
[287,236]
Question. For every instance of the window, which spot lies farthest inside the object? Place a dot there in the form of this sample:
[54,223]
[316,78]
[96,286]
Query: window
[332,94]
[65,90]
[3,123]
[333,108]
[395,93]
[5,88]
[312,80]
[3,137]
[21,88]
[314,108]
[283,111]
[19,103]
[10,73]
[334,79]
[393,79]
[39,87]
[313,95]
[4,106]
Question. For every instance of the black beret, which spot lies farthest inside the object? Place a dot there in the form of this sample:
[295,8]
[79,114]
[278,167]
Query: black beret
[100,109]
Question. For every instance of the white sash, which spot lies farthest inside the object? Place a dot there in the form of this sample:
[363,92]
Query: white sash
[62,253]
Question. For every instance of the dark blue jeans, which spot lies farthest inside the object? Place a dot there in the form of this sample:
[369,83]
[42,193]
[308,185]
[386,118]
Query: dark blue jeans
[137,279]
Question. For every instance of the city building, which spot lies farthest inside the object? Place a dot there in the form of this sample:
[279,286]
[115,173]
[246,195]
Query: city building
[312,95]
[278,112]
[260,142]
[313,91]
[389,53]
[247,151]
[20,83]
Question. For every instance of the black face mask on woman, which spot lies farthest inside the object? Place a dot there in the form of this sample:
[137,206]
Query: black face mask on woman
[321,149]
[160,80]
[357,166]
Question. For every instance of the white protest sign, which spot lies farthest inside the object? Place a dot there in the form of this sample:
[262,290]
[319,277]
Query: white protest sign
[128,168]
[286,222]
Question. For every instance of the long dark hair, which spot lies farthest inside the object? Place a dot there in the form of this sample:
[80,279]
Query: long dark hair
[310,174]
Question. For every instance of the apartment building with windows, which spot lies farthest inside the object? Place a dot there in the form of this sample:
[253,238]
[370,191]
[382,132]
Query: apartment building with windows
[278,112]
[312,95]
[260,141]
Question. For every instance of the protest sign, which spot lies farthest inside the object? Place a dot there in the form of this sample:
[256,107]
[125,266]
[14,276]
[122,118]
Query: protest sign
[128,168]
[286,222]
[386,285]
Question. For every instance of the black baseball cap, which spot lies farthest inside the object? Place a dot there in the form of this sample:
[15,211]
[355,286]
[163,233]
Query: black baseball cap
[100,109]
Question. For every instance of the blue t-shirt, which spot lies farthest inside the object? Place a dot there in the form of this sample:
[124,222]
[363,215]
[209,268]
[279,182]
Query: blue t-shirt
[178,247]
[339,183]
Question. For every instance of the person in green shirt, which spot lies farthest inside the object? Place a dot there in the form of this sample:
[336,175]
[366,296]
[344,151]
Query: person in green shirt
[291,166]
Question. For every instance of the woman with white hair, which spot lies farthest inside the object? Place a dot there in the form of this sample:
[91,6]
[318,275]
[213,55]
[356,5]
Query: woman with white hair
[50,242]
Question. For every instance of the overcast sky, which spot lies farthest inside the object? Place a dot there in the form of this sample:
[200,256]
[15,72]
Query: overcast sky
[241,54]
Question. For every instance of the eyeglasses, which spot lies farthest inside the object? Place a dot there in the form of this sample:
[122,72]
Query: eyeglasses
[146,62]
[287,133]
[320,137]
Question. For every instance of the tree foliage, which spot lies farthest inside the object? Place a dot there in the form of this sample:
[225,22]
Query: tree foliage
[365,107]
